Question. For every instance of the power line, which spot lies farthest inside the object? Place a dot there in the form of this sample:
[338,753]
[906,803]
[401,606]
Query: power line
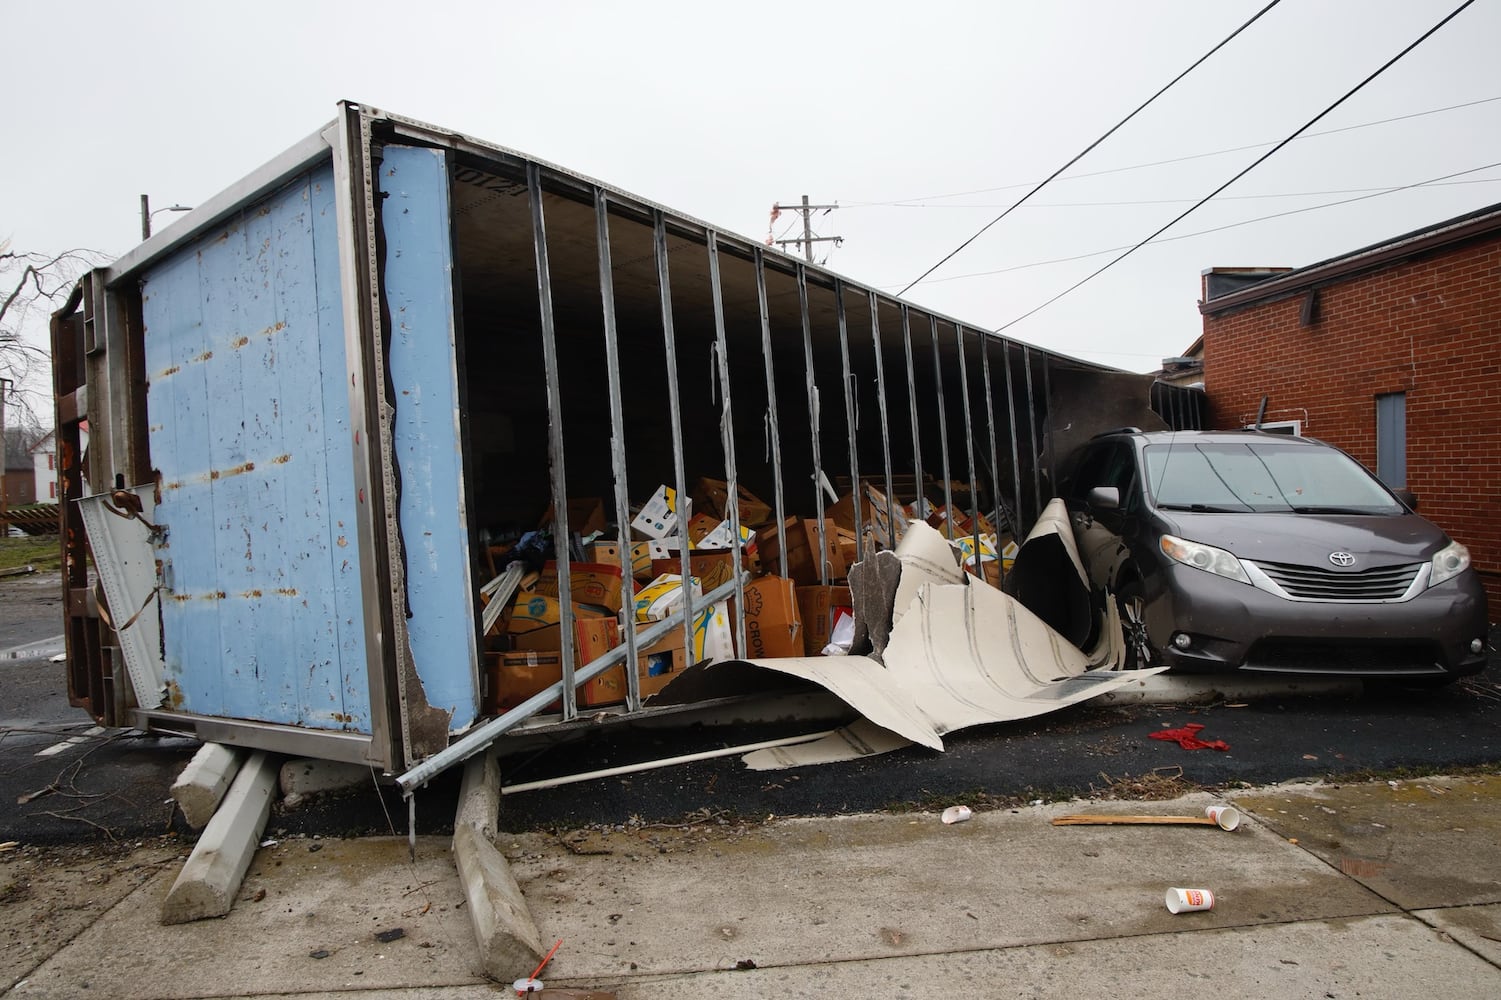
[1253,165]
[1085,151]
[1233,197]
[1434,182]
[907,202]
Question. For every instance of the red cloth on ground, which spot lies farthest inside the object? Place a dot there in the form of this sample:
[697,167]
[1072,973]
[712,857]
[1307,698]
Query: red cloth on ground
[1188,738]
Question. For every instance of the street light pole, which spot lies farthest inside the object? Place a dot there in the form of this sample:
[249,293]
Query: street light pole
[147,213]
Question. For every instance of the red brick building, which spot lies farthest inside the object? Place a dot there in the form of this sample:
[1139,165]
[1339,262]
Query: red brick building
[1391,352]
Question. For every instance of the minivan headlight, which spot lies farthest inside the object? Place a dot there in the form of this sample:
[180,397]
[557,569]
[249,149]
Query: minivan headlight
[1204,557]
[1448,562]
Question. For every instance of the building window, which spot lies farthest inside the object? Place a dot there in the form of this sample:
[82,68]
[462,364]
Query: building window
[51,462]
[1391,439]
[52,490]
[1292,428]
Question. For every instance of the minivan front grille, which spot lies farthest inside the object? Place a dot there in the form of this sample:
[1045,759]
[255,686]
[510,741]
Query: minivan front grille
[1313,583]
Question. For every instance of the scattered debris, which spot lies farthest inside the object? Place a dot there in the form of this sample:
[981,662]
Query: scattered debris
[319,953]
[394,934]
[956,814]
[745,965]
[1188,738]
[1189,900]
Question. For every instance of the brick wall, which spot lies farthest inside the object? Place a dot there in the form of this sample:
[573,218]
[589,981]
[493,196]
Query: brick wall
[1428,327]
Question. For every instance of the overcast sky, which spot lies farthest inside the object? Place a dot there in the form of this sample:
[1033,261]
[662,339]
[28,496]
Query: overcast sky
[923,121]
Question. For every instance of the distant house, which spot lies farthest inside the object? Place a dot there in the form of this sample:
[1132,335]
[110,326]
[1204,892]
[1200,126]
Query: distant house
[1391,352]
[44,465]
[19,472]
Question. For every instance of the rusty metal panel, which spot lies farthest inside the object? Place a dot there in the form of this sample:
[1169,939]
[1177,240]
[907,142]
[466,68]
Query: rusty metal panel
[248,423]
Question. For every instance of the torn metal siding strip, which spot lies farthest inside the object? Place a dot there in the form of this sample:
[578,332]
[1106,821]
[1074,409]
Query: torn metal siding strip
[674,409]
[850,420]
[773,431]
[875,339]
[943,420]
[617,423]
[554,434]
[814,423]
[917,489]
[727,437]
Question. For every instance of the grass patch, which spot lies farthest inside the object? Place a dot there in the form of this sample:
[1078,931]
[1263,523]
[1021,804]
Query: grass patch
[42,551]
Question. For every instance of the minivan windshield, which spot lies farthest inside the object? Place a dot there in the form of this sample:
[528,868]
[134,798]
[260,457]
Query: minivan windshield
[1262,476]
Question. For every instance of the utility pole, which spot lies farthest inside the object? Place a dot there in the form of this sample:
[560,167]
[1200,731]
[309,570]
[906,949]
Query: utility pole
[808,239]
[5,385]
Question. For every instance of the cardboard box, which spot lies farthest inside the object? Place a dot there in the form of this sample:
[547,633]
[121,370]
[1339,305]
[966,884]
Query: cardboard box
[817,607]
[710,569]
[586,515]
[711,496]
[660,516]
[773,626]
[512,678]
[608,554]
[593,638]
[659,663]
[800,535]
[657,599]
[598,584]
[700,525]
[720,537]
[849,548]
[531,610]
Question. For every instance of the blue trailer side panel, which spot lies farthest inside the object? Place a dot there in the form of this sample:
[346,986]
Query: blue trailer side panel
[248,418]
[422,359]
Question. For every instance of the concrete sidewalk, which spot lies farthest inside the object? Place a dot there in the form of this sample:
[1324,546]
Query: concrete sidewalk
[1376,890]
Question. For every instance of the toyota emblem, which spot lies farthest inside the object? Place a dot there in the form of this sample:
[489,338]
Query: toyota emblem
[1342,559]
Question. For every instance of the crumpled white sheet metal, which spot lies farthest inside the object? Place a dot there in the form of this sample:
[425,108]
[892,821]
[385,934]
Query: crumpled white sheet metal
[961,653]
[962,656]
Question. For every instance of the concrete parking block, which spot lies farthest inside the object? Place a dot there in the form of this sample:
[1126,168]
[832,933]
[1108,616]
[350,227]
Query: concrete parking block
[202,784]
[307,776]
[209,880]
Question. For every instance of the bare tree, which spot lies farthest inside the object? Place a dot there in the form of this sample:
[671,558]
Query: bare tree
[32,285]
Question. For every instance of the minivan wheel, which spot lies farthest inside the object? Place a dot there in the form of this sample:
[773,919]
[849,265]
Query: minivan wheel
[1132,607]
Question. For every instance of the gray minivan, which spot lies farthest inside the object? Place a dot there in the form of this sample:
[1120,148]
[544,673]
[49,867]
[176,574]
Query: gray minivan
[1243,550]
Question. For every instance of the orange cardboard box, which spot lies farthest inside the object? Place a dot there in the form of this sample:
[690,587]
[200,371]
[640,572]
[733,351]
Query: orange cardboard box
[801,539]
[710,568]
[598,584]
[586,515]
[817,607]
[512,678]
[531,610]
[773,625]
[711,496]
[656,666]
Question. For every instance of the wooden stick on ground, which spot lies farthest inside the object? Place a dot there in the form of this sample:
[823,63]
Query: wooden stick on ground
[1100,820]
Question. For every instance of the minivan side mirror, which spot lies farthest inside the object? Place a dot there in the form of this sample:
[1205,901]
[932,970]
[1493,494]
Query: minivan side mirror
[1105,498]
[1408,497]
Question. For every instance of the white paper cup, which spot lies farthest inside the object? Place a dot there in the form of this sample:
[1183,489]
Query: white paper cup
[1189,900]
[1228,817]
[956,814]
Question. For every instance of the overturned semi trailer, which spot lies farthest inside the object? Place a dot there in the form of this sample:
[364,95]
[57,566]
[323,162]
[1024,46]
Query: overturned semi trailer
[315,400]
